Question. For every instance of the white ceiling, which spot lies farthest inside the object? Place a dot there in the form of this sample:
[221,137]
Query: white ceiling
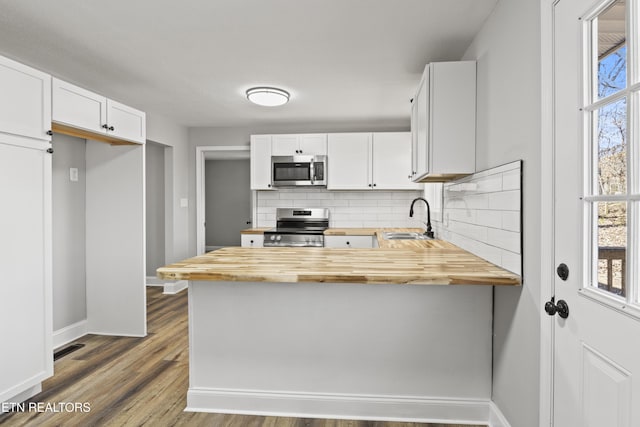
[192,60]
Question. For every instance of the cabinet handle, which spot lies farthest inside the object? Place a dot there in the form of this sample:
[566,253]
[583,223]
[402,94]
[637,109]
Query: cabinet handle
[251,242]
[112,128]
[348,243]
[50,132]
[269,185]
[369,185]
[375,185]
[50,150]
[105,126]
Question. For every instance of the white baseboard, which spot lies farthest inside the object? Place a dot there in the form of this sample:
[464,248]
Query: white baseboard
[365,407]
[175,287]
[496,417]
[21,397]
[69,333]
[171,287]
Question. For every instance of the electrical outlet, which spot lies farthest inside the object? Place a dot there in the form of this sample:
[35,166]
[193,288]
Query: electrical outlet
[73,174]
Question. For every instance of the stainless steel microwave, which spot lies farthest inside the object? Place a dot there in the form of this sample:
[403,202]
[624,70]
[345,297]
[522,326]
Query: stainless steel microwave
[291,171]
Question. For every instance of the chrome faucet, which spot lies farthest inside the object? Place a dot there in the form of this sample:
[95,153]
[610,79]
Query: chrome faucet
[429,231]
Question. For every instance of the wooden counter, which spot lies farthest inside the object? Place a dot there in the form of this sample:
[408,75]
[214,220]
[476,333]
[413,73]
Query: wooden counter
[435,262]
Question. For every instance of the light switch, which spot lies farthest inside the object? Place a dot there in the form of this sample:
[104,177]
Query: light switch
[73,174]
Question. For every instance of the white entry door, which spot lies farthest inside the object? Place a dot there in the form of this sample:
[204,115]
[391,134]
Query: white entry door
[597,211]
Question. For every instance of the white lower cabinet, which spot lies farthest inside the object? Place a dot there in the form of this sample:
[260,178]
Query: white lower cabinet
[251,240]
[25,257]
[355,242]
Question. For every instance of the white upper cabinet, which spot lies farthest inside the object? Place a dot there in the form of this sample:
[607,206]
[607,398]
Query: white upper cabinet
[362,161]
[25,101]
[126,122]
[391,161]
[444,122]
[79,107]
[349,161]
[306,144]
[84,110]
[260,162]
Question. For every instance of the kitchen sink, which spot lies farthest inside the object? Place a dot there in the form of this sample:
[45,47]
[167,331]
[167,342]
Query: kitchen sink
[398,235]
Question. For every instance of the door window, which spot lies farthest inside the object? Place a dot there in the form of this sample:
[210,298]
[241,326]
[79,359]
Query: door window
[611,116]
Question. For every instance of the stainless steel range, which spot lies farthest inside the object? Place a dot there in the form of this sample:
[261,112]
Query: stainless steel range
[300,227]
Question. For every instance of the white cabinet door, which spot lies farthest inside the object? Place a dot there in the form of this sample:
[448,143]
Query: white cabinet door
[422,126]
[78,107]
[284,145]
[414,138]
[306,144]
[251,240]
[349,161]
[25,100]
[260,161]
[126,122]
[313,144]
[392,161]
[444,121]
[356,242]
[25,257]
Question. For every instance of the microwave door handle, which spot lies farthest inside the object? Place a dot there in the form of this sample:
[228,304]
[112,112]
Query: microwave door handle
[312,171]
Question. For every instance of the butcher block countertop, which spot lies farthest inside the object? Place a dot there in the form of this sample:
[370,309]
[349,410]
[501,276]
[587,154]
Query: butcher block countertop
[419,262]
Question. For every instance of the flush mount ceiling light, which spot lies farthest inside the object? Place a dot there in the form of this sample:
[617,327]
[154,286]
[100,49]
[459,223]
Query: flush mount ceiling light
[268,96]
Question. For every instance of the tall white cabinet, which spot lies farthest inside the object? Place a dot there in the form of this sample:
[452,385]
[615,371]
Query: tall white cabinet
[26,230]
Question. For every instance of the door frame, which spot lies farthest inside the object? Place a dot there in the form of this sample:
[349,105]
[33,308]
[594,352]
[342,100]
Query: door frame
[547,220]
[202,154]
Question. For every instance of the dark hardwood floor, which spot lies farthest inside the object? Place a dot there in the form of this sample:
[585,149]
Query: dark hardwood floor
[142,381]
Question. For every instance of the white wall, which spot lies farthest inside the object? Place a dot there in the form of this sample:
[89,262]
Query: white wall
[155,207]
[508,128]
[69,272]
[176,138]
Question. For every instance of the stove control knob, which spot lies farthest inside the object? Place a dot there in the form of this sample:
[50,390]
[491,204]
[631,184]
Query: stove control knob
[272,238]
[278,238]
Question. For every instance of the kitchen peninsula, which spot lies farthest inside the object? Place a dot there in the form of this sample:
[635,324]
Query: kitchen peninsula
[302,331]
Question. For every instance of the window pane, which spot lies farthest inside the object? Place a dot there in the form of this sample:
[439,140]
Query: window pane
[611,134]
[611,247]
[612,50]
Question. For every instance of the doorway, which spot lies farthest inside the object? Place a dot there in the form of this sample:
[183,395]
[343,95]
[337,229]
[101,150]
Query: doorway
[223,196]
[594,206]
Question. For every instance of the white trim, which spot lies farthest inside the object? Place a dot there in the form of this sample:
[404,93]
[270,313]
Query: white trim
[338,406]
[200,211]
[69,333]
[172,288]
[546,211]
[496,417]
[27,394]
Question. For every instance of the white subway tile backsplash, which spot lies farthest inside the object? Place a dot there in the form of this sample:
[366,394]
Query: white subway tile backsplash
[508,240]
[347,208]
[489,218]
[511,221]
[482,214]
[511,180]
[505,200]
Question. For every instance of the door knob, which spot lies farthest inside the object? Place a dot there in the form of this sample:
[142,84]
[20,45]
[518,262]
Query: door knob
[562,308]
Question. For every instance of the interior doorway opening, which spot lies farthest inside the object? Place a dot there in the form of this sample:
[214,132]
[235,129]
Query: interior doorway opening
[223,196]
